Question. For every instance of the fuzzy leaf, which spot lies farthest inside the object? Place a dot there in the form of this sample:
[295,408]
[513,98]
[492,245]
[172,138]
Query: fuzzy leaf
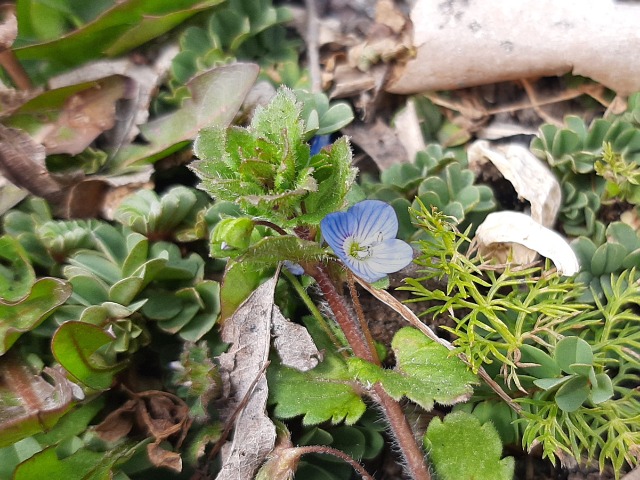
[322,394]
[462,449]
[425,371]
[271,250]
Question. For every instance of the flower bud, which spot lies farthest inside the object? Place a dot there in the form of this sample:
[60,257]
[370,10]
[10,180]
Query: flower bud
[231,237]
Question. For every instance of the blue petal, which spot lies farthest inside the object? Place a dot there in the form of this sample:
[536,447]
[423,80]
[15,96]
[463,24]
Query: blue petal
[390,256]
[336,228]
[362,268]
[375,221]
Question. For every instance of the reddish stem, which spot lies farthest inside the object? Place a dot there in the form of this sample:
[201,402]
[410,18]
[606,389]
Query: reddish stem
[401,429]
[337,453]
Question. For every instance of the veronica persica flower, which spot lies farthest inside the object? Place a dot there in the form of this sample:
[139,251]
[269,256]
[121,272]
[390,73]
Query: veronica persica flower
[364,238]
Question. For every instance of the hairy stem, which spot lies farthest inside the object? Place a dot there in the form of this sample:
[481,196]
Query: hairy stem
[336,453]
[401,429]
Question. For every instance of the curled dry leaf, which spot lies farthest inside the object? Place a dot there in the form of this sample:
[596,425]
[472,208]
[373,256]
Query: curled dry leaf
[530,177]
[407,127]
[516,237]
[22,163]
[133,109]
[379,141]
[84,116]
[293,343]
[29,404]
[249,332]
[159,415]
[462,44]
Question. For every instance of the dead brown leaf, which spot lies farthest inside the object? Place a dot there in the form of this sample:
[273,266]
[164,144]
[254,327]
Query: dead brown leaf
[30,404]
[379,141]
[84,116]
[293,343]
[22,163]
[249,332]
[156,414]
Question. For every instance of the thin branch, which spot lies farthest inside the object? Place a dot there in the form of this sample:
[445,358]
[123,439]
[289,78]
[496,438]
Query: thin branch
[313,56]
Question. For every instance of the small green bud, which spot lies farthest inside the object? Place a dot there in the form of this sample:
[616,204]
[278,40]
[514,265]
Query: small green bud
[231,237]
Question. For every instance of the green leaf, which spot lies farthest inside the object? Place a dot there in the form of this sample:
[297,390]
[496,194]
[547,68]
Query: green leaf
[75,345]
[324,393]
[83,464]
[602,389]
[572,394]
[125,290]
[335,175]
[572,350]
[16,273]
[240,280]
[25,315]
[549,383]
[216,96]
[338,116]
[547,367]
[124,26]
[607,258]
[425,371]
[461,449]
[271,250]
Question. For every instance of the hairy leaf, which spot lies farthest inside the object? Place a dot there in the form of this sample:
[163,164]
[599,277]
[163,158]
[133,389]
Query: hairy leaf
[425,371]
[461,449]
[325,393]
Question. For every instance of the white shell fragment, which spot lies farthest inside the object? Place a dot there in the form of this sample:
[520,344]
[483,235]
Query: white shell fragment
[516,237]
[530,177]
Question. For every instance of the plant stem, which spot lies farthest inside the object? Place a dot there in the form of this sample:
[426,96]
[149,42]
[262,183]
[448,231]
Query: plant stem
[302,293]
[401,429]
[337,453]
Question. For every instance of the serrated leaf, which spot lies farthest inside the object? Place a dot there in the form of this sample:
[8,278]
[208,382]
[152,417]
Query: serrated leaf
[325,393]
[75,346]
[462,449]
[425,371]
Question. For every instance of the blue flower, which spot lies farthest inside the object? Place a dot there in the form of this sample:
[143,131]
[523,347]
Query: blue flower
[363,237]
